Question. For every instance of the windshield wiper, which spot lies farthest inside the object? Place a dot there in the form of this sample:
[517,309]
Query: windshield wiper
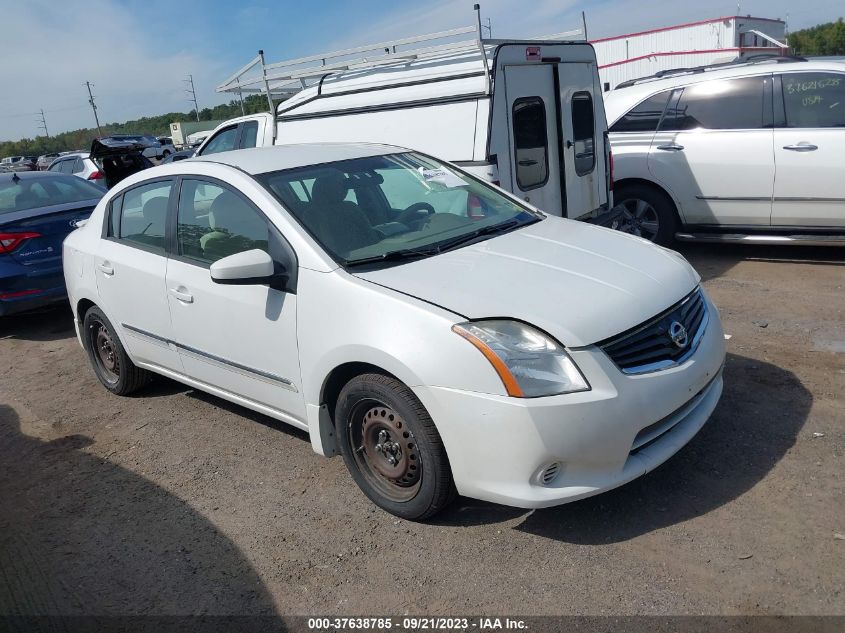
[407,253]
[494,229]
[442,247]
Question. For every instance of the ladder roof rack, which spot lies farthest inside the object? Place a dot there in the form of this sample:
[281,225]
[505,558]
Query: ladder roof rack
[290,75]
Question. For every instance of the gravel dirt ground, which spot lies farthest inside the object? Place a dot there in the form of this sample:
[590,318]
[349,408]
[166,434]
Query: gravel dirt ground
[176,502]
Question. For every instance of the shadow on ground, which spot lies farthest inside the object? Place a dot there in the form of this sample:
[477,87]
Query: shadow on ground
[714,260]
[46,324]
[83,536]
[762,410]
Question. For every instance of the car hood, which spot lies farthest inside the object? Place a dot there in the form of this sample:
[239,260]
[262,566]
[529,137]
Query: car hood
[580,283]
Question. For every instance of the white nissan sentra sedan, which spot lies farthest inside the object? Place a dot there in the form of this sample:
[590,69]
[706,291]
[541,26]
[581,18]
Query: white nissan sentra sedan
[440,334]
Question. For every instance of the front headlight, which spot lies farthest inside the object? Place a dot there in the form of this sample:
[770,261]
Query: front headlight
[529,362]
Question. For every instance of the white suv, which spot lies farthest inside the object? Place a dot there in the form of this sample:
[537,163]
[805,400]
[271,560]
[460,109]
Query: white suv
[746,152]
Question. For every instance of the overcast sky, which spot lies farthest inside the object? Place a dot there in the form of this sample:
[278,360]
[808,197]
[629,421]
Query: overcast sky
[136,53]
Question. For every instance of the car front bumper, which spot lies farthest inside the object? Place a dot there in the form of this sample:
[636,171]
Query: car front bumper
[500,448]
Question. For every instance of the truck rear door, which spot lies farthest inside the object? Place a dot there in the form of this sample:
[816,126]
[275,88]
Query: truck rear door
[556,128]
[535,168]
[582,120]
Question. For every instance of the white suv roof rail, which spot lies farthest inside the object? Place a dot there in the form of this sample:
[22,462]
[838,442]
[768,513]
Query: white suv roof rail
[675,72]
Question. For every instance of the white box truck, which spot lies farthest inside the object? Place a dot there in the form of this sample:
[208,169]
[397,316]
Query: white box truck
[527,115]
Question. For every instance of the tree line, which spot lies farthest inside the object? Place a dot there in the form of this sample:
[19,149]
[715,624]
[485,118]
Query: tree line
[824,39]
[155,125]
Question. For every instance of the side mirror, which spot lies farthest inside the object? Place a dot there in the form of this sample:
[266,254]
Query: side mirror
[253,267]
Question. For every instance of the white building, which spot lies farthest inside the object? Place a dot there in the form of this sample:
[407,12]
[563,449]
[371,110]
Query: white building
[636,55]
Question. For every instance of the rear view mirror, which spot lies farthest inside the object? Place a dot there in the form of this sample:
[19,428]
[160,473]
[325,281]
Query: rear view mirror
[246,268]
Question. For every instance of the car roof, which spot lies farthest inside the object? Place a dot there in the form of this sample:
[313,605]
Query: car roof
[619,100]
[33,175]
[261,160]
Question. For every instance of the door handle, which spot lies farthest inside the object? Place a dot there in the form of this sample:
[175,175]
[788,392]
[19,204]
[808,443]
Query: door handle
[185,297]
[801,147]
[105,268]
[527,163]
[671,147]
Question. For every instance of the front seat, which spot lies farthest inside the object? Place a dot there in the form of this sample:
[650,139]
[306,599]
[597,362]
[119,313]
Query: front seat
[235,228]
[338,222]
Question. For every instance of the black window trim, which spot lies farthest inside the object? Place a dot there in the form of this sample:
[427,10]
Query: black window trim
[545,146]
[129,244]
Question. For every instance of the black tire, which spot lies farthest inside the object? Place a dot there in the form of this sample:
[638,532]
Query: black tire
[111,364]
[419,484]
[643,205]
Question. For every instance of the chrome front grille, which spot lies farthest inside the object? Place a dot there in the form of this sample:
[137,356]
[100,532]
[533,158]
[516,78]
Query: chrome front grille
[663,341]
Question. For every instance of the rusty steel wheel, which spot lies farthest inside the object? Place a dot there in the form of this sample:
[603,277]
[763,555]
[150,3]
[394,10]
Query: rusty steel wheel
[391,447]
[385,450]
[112,365]
[105,351]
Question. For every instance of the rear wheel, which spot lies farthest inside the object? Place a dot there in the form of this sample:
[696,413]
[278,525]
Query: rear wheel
[111,364]
[392,448]
[646,212]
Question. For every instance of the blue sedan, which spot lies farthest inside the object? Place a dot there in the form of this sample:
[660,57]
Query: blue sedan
[37,211]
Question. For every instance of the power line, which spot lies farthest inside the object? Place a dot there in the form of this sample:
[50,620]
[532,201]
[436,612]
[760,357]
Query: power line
[193,94]
[93,107]
[44,124]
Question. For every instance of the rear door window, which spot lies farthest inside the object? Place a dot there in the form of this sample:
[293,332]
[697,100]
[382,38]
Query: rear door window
[583,132]
[143,217]
[814,100]
[531,142]
[644,117]
[725,104]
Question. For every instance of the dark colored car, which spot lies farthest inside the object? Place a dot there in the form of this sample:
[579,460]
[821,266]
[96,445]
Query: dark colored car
[121,156]
[182,155]
[37,211]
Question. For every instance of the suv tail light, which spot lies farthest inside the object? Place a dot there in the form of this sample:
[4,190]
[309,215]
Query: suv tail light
[97,175]
[10,241]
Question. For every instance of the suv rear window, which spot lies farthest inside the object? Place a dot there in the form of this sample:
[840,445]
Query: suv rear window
[645,117]
[723,104]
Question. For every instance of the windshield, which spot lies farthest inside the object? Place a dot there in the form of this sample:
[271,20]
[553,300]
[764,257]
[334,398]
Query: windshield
[33,193]
[382,208]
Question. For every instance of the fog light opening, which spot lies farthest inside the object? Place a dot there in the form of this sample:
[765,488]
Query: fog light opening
[550,473]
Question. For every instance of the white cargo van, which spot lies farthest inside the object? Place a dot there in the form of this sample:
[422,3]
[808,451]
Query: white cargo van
[527,115]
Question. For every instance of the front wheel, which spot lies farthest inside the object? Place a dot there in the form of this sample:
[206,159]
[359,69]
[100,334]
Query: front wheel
[392,448]
[647,213]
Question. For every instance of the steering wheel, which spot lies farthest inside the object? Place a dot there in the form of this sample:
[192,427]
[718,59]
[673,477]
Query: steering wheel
[411,215]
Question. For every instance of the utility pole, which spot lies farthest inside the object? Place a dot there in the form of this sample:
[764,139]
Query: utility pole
[192,94]
[44,124]
[93,107]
